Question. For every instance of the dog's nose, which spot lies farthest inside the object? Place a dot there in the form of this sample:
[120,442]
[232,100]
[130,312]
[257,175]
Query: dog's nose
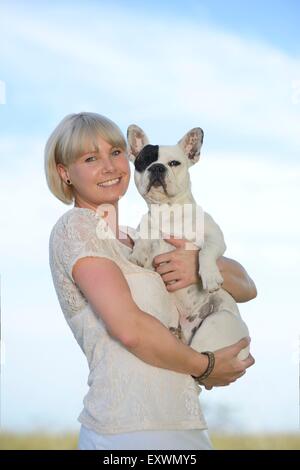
[157,169]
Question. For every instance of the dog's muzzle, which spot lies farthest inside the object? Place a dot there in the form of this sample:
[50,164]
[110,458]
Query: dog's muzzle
[157,176]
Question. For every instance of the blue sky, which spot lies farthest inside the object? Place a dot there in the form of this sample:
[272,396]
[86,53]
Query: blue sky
[168,67]
[274,21]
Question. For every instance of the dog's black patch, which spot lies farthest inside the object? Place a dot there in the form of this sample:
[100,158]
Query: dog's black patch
[209,307]
[147,155]
[191,318]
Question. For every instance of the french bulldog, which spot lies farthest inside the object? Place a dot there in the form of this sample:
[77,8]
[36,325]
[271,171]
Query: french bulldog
[209,316]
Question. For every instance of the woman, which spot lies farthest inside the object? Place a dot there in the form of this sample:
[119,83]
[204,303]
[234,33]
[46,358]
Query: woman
[142,394]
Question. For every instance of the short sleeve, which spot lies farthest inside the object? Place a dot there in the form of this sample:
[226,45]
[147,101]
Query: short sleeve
[80,235]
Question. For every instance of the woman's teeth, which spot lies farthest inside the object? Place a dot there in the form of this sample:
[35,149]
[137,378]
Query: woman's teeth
[110,182]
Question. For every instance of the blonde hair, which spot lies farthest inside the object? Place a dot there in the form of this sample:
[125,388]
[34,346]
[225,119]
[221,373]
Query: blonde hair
[73,137]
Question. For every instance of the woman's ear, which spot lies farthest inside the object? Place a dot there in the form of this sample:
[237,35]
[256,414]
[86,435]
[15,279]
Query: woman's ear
[191,144]
[63,173]
[137,140]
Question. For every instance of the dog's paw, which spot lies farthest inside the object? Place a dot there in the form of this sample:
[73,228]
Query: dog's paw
[211,278]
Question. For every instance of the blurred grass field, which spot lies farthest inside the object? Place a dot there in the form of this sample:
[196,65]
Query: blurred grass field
[44,441]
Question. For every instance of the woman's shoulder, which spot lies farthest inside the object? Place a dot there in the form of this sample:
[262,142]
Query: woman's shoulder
[78,215]
[82,227]
[74,220]
[75,228]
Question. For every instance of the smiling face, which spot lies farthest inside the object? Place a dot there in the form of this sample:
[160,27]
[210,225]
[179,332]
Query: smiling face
[100,175]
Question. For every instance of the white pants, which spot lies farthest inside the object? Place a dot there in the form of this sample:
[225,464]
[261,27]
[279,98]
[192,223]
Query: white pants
[190,439]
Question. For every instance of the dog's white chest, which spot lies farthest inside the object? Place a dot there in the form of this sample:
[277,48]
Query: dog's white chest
[182,221]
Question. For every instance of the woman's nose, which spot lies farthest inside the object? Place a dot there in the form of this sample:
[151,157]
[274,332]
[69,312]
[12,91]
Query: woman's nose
[107,165]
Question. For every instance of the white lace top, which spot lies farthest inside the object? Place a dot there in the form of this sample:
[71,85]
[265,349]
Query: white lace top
[125,394]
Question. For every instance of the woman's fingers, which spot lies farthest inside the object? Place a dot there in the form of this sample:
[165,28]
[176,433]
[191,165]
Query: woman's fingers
[163,258]
[243,343]
[177,242]
[219,384]
[235,348]
[173,276]
[207,387]
[223,383]
[175,286]
[165,268]
[237,368]
[249,361]
[179,266]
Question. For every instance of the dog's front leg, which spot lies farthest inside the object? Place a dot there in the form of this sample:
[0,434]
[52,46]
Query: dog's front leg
[213,247]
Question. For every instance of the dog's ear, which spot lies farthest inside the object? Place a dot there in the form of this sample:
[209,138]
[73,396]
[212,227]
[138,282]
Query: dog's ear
[137,140]
[191,144]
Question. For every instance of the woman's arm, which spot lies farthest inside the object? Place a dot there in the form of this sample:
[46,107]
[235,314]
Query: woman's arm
[236,280]
[182,266]
[104,286]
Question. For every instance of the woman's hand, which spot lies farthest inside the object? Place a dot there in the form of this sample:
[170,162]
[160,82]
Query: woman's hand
[179,268]
[228,368]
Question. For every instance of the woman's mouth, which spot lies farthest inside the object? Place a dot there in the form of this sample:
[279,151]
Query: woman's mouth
[111,182]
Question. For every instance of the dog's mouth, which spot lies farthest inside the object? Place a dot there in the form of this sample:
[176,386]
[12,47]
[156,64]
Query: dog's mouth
[156,182]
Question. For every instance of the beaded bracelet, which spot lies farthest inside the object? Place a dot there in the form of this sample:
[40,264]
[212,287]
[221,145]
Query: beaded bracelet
[209,369]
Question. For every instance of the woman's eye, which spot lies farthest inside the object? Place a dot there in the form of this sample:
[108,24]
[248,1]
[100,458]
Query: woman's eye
[90,159]
[174,163]
[115,153]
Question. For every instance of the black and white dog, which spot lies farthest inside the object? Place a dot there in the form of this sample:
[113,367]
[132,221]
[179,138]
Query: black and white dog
[209,316]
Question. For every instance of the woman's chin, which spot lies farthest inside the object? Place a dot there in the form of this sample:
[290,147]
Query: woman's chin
[111,194]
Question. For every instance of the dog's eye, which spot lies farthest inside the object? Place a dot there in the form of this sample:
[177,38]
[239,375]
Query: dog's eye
[174,163]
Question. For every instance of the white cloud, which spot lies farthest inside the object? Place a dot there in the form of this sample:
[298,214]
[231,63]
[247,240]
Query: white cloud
[262,194]
[206,76]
